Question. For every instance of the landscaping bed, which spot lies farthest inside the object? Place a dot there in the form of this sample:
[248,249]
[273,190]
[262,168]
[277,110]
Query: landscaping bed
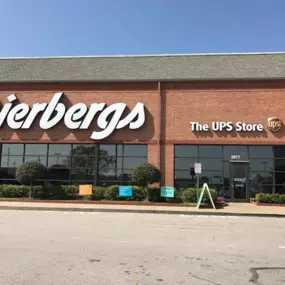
[266,199]
[101,195]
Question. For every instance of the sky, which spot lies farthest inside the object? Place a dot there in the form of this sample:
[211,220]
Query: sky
[130,27]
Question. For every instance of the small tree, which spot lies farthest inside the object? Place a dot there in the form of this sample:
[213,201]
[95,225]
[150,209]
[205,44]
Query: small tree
[29,172]
[146,174]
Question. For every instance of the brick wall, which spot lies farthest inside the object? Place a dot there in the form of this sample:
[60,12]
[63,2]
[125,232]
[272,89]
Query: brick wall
[251,102]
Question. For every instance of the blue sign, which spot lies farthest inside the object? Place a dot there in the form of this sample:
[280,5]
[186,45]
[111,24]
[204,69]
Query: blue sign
[239,185]
[167,192]
[125,191]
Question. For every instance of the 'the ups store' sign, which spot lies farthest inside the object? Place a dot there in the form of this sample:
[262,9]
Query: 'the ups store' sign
[274,124]
[78,116]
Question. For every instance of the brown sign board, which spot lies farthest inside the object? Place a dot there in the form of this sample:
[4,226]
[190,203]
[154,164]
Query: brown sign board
[85,190]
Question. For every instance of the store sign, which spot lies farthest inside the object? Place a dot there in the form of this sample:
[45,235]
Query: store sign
[227,126]
[198,168]
[125,191]
[78,116]
[167,192]
[274,124]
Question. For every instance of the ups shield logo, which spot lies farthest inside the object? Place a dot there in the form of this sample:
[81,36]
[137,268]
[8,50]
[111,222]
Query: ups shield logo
[274,124]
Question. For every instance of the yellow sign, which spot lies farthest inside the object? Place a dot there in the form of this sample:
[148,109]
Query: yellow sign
[85,190]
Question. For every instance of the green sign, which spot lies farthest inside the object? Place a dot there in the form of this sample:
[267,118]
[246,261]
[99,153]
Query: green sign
[167,192]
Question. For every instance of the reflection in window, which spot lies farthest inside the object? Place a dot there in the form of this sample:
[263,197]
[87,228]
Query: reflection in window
[280,189]
[36,149]
[280,178]
[108,149]
[210,151]
[58,161]
[40,158]
[260,178]
[135,150]
[12,149]
[279,151]
[211,164]
[84,174]
[260,152]
[83,157]
[110,174]
[279,164]
[186,151]
[261,165]
[228,151]
[185,163]
[11,161]
[59,149]
[58,173]
[77,163]
[7,173]
[132,162]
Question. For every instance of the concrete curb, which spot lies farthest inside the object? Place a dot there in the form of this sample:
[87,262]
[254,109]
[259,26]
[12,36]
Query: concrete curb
[144,211]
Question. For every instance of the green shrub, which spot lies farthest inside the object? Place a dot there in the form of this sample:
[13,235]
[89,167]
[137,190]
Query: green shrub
[270,198]
[57,192]
[29,172]
[111,192]
[139,193]
[282,199]
[146,174]
[87,197]
[98,192]
[71,191]
[189,195]
[18,191]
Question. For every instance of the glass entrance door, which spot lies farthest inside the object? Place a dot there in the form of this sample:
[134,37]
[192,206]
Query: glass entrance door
[239,180]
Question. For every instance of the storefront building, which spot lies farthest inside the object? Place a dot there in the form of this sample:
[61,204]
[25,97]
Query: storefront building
[93,119]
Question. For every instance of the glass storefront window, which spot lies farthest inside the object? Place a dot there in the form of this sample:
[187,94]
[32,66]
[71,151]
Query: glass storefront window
[184,163]
[279,164]
[75,163]
[132,162]
[261,165]
[58,161]
[36,149]
[11,161]
[208,151]
[40,158]
[235,152]
[12,149]
[59,149]
[134,150]
[279,151]
[108,150]
[260,152]
[186,151]
[211,164]
[264,166]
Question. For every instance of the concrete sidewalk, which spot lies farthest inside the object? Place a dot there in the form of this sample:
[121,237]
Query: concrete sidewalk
[233,209]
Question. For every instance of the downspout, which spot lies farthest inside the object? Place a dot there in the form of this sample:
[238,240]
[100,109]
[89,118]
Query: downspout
[159,125]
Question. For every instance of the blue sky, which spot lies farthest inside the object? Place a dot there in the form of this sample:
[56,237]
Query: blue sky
[104,27]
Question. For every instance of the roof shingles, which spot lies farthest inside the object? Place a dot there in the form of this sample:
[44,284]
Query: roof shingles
[144,68]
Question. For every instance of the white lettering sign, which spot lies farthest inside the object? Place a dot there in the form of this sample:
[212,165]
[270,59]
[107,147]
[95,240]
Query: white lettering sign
[78,116]
[226,126]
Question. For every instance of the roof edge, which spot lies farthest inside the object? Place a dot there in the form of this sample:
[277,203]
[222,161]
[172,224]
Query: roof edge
[146,55]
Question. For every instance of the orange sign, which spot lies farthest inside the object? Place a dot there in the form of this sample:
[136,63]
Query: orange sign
[85,190]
